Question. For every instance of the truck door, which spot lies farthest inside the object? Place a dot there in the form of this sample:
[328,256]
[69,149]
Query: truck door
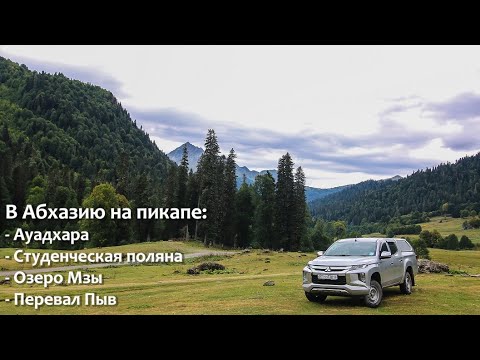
[386,266]
[397,259]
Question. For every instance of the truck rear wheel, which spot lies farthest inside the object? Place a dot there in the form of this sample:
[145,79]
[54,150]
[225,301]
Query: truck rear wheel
[406,286]
[375,295]
[315,297]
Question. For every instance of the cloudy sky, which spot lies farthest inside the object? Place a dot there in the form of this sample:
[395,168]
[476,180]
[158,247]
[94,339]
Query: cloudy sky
[345,113]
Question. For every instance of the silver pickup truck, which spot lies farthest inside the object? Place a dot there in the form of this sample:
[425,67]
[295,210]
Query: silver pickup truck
[361,267]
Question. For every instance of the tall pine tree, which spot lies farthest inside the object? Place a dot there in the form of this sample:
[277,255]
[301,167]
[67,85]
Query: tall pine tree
[210,189]
[228,199]
[182,179]
[193,201]
[300,206]
[264,213]
[181,190]
[245,210]
[285,204]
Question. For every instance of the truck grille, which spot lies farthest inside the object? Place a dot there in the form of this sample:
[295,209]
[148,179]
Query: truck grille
[341,280]
[330,268]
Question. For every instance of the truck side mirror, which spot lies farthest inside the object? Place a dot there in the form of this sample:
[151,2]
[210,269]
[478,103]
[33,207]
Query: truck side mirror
[319,253]
[385,255]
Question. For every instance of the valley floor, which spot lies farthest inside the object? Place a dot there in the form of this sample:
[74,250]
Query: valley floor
[167,289]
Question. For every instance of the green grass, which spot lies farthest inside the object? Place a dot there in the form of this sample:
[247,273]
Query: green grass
[167,289]
[451,226]
[445,227]
[463,260]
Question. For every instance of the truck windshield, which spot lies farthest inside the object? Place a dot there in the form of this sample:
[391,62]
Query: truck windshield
[352,248]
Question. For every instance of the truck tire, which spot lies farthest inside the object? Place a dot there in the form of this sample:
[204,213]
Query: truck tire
[315,297]
[375,295]
[406,286]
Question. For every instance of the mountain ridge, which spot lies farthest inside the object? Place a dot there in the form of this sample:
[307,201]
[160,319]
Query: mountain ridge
[60,138]
[448,187]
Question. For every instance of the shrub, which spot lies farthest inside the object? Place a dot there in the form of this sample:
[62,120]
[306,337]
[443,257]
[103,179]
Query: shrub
[426,236]
[396,229]
[465,243]
[436,238]
[450,242]
[475,223]
[420,248]
[471,224]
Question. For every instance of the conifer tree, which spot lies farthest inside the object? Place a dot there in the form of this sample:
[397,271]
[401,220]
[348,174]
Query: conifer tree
[244,211]
[228,199]
[264,213]
[182,179]
[285,204]
[193,201]
[300,207]
[210,189]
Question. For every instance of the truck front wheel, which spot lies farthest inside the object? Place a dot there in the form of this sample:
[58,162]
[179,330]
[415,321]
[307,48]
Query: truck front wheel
[406,286]
[374,296]
[315,297]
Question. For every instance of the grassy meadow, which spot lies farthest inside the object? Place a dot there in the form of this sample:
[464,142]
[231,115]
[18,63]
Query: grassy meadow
[167,289]
[447,226]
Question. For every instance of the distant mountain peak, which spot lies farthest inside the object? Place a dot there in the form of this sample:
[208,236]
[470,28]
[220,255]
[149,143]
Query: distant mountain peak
[194,153]
[190,145]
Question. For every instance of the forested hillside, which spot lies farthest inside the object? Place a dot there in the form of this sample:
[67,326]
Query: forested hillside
[60,137]
[68,144]
[446,188]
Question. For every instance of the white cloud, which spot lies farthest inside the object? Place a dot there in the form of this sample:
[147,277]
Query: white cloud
[435,149]
[345,93]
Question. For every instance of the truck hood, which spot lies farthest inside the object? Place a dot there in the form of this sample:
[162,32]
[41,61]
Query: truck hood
[343,260]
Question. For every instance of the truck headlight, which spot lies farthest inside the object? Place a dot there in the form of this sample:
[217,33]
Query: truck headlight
[307,277]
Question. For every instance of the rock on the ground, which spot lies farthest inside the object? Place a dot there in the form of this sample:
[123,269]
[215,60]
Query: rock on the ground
[428,266]
[210,266]
[205,267]
[193,271]
[269,283]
